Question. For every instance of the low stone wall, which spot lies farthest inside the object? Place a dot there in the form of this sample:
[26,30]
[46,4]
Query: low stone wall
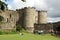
[45,27]
[7,26]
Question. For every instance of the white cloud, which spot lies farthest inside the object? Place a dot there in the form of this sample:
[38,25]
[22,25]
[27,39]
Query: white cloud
[9,7]
[49,19]
[18,4]
[30,3]
[39,4]
[2,0]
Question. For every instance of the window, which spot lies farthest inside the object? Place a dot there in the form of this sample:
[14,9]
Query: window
[7,19]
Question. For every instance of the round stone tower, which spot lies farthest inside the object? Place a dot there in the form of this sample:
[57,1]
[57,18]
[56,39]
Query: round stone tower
[29,19]
[42,17]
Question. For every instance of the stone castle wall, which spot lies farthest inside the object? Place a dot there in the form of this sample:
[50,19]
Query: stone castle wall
[9,19]
[26,17]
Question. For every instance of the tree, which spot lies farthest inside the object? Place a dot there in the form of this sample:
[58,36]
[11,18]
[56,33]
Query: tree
[3,5]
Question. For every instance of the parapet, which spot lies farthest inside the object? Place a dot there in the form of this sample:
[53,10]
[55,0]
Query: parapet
[41,11]
[23,9]
[29,7]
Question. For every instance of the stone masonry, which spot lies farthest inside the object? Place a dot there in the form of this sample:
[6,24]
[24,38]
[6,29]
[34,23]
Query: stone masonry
[26,17]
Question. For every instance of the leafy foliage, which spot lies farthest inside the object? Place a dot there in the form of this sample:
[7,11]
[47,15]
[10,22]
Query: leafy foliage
[18,28]
[3,5]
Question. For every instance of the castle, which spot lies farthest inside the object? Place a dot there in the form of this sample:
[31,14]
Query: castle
[28,17]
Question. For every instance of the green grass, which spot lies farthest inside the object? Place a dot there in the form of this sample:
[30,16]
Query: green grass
[28,36]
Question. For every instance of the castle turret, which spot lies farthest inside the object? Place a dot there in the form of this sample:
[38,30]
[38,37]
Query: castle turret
[29,19]
[42,17]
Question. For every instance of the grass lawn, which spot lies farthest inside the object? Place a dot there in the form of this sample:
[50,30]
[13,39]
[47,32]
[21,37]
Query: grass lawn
[28,36]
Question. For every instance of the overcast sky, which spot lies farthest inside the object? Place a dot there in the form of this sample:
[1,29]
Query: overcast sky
[52,6]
